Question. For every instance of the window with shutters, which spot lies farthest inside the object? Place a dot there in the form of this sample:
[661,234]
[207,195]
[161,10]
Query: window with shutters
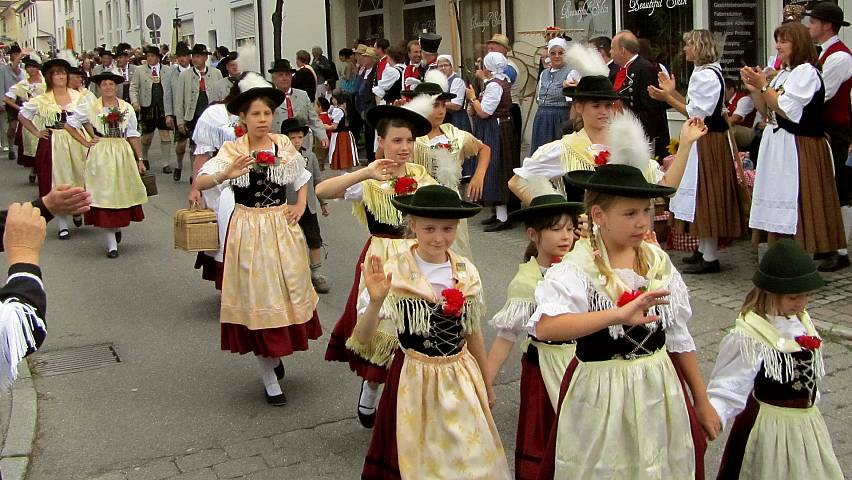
[187,31]
[243,18]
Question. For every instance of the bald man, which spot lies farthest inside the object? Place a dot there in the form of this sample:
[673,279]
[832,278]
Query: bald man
[632,79]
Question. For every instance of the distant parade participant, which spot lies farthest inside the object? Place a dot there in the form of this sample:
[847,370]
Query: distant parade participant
[181,64]
[412,69]
[125,68]
[77,81]
[151,96]
[429,45]
[112,169]
[10,75]
[231,67]
[21,92]
[296,104]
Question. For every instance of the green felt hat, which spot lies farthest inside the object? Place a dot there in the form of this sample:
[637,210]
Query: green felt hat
[617,179]
[787,269]
[551,203]
[435,201]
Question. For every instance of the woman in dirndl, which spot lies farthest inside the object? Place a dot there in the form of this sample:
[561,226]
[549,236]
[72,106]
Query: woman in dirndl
[268,304]
[59,158]
[795,194]
[433,299]
[550,223]
[342,150]
[553,106]
[114,164]
[624,408]
[493,126]
[20,93]
[768,374]
[709,196]
[371,190]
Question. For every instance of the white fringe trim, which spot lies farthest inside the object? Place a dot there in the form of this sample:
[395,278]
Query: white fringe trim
[418,313]
[284,174]
[514,314]
[17,322]
[778,366]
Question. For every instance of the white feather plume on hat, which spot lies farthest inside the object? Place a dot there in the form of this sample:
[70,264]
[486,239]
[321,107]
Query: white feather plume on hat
[628,144]
[538,185]
[248,59]
[68,56]
[434,76]
[586,60]
[423,105]
[253,80]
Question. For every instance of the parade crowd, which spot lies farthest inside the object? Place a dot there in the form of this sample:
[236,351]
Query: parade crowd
[610,382]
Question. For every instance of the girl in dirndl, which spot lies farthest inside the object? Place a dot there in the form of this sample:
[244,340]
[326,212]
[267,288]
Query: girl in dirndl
[114,162]
[624,411]
[708,197]
[794,190]
[59,158]
[550,222]
[342,150]
[371,190]
[19,94]
[268,304]
[434,416]
[768,374]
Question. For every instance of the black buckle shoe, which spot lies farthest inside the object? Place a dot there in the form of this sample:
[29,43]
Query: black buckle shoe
[367,419]
[176,176]
[78,221]
[33,178]
[64,234]
[279,370]
[167,169]
[276,400]
[112,254]
[703,267]
[12,155]
[835,263]
[490,220]
[694,259]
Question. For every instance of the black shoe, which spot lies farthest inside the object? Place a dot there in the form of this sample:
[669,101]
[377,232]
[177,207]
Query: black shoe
[33,178]
[703,267]
[279,370]
[498,227]
[693,259]
[118,236]
[78,221]
[489,221]
[367,419]
[176,175]
[64,234]
[835,263]
[824,255]
[112,254]
[276,400]
[12,155]
[167,169]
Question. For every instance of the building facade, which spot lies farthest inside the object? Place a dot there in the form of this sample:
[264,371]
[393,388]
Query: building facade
[10,23]
[37,29]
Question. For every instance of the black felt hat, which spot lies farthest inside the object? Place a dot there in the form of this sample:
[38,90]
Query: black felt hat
[223,63]
[592,87]
[30,62]
[617,179]
[294,125]
[182,49]
[430,42]
[429,88]
[77,71]
[420,125]
[281,65]
[199,49]
[15,48]
[787,269]
[828,12]
[105,51]
[253,86]
[151,49]
[97,79]
[435,201]
[550,203]
[55,62]
[123,49]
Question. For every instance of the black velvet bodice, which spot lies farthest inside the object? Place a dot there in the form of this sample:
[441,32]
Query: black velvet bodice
[803,385]
[445,337]
[261,192]
[638,341]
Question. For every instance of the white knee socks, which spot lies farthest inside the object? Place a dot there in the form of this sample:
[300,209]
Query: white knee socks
[62,222]
[502,212]
[369,398]
[109,236]
[709,247]
[267,369]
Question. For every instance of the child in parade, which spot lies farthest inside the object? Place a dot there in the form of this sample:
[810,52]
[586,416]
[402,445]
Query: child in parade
[296,130]
[322,107]
[768,374]
[624,410]
[371,190]
[550,223]
[342,150]
[434,416]
[268,304]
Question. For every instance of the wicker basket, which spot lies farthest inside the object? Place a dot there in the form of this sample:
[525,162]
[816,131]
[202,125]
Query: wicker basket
[150,181]
[196,230]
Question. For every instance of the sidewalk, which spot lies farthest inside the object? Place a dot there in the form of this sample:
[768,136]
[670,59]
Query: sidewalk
[18,415]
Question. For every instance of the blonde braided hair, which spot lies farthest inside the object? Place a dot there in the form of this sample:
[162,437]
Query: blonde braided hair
[605,201]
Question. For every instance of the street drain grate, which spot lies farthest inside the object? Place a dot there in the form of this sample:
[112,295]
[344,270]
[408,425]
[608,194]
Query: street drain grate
[77,359]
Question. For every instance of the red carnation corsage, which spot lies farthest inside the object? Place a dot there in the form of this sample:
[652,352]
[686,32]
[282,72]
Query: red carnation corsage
[602,158]
[404,185]
[113,117]
[628,297]
[808,342]
[264,158]
[238,131]
[453,302]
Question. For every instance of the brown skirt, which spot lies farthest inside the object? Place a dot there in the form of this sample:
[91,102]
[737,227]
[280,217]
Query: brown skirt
[820,224]
[719,208]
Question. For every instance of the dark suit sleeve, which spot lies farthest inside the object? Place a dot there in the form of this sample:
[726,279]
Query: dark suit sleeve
[37,203]
[24,287]
[652,113]
[304,80]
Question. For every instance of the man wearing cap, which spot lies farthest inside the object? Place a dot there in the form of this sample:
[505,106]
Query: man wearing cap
[124,68]
[835,61]
[10,74]
[151,97]
[500,43]
[412,70]
[231,67]
[296,104]
[191,96]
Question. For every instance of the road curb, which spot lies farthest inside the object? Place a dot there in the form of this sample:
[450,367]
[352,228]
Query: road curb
[834,329]
[18,446]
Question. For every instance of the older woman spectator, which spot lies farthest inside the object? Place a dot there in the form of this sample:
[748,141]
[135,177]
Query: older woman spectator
[553,106]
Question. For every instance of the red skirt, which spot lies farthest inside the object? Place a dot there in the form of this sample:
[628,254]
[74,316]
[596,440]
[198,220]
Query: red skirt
[210,269]
[112,217]
[23,160]
[548,464]
[382,462]
[536,419]
[732,458]
[44,166]
[270,342]
[336,350]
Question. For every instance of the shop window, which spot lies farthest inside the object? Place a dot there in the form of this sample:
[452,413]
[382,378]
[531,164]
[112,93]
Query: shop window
[479,20]
[739,27]
[417,17]
[595,17]
[371,19]
[660,27]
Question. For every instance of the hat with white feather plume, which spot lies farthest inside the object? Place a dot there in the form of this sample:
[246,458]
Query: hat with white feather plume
[252,86]
[594,84]
[621,169]
[546,201]
[416,113]
[434,83]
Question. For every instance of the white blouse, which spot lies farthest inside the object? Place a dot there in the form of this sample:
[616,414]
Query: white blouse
[336,115]
[563,290]
[80,116]
[491,96]
[546,162]
[800,85]
[704,91]
[732,380]
[457,86]
[29,110]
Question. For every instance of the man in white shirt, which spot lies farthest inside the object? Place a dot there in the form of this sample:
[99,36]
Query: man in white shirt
[388,86]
